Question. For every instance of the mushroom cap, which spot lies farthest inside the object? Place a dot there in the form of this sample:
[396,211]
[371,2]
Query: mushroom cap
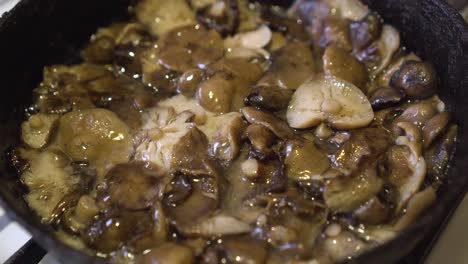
[189,47]
[330,99]
[90,135]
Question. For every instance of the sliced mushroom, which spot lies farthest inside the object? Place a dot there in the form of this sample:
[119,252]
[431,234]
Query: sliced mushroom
[364,145]
[256,39]
[290,66]
[344,246]
[438,155]
[240,187]
[150,63]
[90,135]
[230,81]
[216,93]
[399,167]
[409,186]
[195,161]
[66,88]
[418,203]
[130,186]
[131,33]
[127,112]
[263,173]
[36,131]
[49,180]
[329,99]
[286,25]
[279,127]
[161,16]
[373,212]
[110,231]
[261,138]
[345,194]
[228,139]
[190,47]
[164,126]
[434,127]
[182,104]
[161,80]
[353,10]
[189,81]
[336,32]
[201,204]
[294,233]
[270,98]
[218,225]
[277,42]
[215,123]
[385,97]
[379,54]
[243,70]
[66,204]
[127,57]
[339,63]
[249,15]
[222,16]
[365,31]
[416,79]
[384,77]
[304,161]
[417,113]
[100,50]
[168,253]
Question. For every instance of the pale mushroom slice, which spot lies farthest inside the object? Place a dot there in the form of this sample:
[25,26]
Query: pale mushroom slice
[353,10]
[48,179]
[413,140]
[227,140]
[37,129]
[387,46]
[332,100]
[256,39]
[216,225]
[418,203]
[158,142]
[249,44]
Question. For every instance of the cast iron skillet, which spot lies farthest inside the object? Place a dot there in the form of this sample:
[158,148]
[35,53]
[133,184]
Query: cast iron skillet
[40,33]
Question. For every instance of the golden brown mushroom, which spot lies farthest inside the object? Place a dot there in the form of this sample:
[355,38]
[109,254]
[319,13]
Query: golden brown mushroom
[184,48]
[339,63]
[161,16]
[90,135]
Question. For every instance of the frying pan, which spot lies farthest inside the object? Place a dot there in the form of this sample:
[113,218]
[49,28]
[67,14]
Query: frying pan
[39,33]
